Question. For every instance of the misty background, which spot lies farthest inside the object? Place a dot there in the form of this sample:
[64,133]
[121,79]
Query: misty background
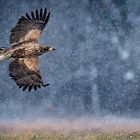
[95,70]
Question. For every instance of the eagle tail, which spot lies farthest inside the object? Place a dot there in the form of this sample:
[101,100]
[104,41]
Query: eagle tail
[2,50]
[3,54]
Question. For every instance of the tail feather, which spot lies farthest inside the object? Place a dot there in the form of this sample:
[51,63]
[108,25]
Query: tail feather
[3,53]
[2,50]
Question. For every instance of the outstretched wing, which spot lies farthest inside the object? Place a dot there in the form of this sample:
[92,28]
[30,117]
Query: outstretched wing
[29,27]
[26,74]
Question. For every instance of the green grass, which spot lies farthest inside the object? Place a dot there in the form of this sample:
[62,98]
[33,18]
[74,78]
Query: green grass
[74,136]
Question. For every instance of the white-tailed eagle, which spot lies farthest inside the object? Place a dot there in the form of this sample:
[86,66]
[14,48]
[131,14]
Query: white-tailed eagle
[25,49]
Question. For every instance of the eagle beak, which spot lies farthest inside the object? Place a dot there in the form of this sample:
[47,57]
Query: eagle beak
[51,49]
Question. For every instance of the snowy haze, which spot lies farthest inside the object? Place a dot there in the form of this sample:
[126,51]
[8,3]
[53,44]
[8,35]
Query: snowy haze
[95,69]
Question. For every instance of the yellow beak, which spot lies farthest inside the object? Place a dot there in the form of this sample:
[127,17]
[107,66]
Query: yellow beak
[51,49]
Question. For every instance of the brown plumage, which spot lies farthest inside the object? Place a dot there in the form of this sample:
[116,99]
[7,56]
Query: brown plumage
[25,49]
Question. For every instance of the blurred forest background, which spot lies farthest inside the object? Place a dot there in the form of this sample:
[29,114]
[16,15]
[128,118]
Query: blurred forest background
[95,69]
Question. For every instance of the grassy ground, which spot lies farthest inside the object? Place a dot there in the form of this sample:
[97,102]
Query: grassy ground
[80,136]
[96,129]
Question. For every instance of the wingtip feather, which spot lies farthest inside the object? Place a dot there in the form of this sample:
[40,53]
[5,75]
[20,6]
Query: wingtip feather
[37,15]
[28,17]
[41,14]
[47,18]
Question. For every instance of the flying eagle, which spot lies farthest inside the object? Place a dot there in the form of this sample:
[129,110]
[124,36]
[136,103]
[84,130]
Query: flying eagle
[25,49]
